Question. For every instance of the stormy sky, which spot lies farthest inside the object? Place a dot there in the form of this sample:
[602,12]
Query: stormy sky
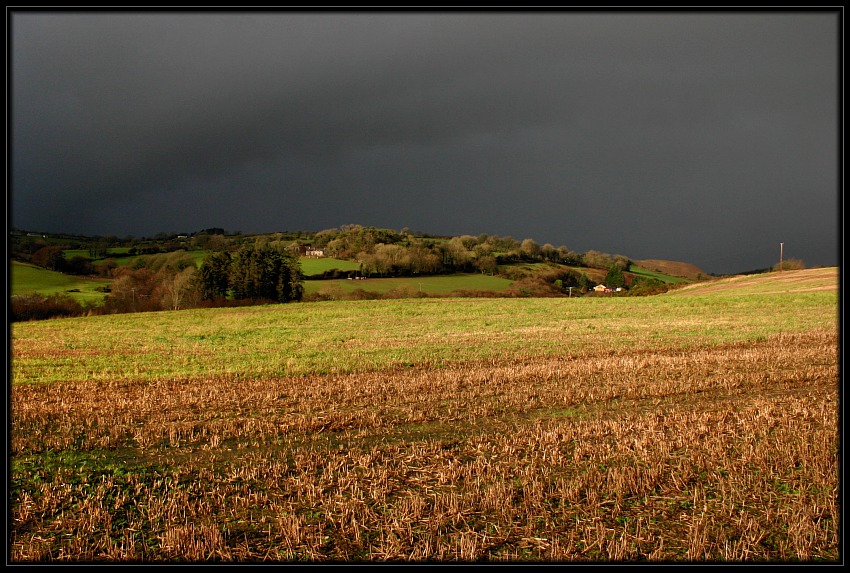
[704,137]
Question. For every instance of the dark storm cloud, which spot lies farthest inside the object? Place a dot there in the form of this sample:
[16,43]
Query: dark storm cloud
[702,137]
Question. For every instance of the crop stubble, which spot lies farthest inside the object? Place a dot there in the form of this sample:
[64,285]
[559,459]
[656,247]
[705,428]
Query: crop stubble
[714,453]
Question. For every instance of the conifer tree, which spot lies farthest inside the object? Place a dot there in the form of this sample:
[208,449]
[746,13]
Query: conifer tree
[615,278]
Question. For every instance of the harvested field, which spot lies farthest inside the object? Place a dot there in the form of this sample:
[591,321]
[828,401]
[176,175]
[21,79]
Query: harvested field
[716,449]
[808,280]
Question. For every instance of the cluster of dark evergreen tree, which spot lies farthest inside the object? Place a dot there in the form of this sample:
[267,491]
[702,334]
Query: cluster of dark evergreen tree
[254,272]
[615,277]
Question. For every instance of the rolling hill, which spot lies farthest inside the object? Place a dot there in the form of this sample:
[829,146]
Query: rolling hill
[673,268]
[805,280]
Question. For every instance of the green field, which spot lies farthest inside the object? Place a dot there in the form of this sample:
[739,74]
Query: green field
[642,272]
[314,266]
[442,284]
[84,253]
[29,279]
[152,260]
[347,336]
[696,426]
[123,260]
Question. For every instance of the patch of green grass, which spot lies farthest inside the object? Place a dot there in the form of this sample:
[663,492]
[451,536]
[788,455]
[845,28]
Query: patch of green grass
[314,266]
[30,279]
[111,252]
[198,257]
[441,284]
[71,253]
[642,272]
[348,336]
[158,259]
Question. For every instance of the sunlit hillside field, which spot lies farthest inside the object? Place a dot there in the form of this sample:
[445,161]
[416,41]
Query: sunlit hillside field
[87,254]
[28,279]
[646,273]
[800,281]
[684,427]
[315,266]
[157,259]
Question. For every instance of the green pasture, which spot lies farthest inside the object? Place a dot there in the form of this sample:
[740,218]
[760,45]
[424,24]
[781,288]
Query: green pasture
[428,284]
[352,336]
[534,268]
[119,255]
[314,266]
[30,279]
[642,272]
[156,259]
[84,253]
[529,269]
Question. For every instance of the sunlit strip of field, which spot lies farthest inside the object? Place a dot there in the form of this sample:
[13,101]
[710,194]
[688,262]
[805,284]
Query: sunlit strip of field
[314,266]
[807,280]
[646,273]
[29,279]
[351,336]
[412,286]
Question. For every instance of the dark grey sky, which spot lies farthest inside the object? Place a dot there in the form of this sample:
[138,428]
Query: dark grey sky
[703,137]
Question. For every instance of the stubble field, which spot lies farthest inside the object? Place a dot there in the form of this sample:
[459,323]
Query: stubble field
[683,427]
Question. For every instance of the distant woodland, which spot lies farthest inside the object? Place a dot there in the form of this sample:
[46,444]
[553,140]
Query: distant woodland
[215,268]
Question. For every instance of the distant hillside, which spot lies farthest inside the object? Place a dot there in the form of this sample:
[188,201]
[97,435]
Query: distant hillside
[673,268]
[806,280]
[371,251]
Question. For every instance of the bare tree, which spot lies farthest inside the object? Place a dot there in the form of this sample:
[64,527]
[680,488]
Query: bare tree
[530,249]
[179,288]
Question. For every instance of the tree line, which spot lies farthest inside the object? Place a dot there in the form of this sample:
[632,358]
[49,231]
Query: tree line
[264,268]
[385,252]
[380,252]
[254,273]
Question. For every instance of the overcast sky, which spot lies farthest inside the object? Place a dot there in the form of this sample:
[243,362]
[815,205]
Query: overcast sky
[703,137]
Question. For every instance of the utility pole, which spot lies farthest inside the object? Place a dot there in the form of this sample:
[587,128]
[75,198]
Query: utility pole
[781,246]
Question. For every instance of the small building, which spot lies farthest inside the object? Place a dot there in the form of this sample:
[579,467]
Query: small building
[600,288]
